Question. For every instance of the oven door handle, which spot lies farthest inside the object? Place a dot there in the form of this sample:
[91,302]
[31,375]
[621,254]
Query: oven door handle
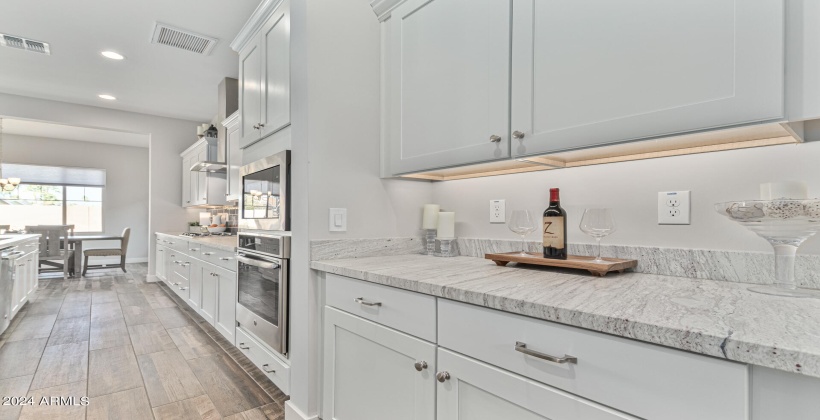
[256,263]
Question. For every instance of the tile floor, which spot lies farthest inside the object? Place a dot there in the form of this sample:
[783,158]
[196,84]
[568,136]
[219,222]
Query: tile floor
[133,349]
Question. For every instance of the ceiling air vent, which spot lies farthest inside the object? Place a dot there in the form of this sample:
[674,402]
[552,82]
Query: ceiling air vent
[24,44]
[180,38]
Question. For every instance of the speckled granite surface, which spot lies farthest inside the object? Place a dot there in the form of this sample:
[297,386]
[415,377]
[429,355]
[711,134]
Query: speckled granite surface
[719,319]
[225,243]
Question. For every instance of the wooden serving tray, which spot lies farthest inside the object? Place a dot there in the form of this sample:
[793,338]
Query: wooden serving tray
[572,261]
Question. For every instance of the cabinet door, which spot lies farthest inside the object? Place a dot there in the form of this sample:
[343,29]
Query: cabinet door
[32,274]
[18,291]
[159,262]
[234,160]
[448,81]
[369,371]
[201,178]
[186,181]
[170,263]
[276,71]
[592,72]
[250,92]
[210,280]
[195,282]
[478,391]
[226,304]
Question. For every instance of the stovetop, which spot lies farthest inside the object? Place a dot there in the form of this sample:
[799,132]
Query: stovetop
[201,234]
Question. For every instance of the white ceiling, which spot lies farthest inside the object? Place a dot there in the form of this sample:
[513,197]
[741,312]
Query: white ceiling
[68,132]
[153,79]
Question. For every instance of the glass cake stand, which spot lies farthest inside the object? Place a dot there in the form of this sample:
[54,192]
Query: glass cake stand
[786,224]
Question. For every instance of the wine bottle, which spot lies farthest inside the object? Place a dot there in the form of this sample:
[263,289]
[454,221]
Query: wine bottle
[555,228]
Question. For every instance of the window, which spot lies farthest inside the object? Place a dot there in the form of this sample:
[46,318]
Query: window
[43,204]
[53,195]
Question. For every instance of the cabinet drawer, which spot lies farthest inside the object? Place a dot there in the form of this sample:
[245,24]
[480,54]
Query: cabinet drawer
[177,245]
[274,368]
[219,257]
[646,380]
[409,312]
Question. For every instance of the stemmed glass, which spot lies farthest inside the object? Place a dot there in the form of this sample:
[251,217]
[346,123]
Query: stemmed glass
[597,223]
[522,223]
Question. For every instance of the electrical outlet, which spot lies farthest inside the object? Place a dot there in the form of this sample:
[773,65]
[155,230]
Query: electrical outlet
[498,211]
[673,208]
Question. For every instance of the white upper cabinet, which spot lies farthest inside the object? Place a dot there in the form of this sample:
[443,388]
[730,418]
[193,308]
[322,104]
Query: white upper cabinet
[264,78]
[233,157]
[447,72]
[592,72]
[200,188]
[250,92]
[276,74]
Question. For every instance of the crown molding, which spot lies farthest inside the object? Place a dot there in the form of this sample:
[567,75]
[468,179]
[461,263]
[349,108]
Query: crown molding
[262,13]
[382,8]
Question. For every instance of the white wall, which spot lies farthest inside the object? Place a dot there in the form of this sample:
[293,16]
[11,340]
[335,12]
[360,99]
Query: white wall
[631,188]
[169,137]
[125,202]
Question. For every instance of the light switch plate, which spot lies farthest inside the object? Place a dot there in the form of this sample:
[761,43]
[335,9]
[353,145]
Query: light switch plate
[338,220]
[673,208]
[498,211]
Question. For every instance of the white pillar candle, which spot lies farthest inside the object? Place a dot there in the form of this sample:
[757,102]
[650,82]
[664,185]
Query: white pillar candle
[784,189]
[430,219]
[446,225]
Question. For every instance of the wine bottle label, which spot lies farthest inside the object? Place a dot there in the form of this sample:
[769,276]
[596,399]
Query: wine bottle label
[554,232]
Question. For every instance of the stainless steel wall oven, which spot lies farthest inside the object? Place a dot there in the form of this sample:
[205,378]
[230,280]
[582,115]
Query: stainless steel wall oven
[262,298]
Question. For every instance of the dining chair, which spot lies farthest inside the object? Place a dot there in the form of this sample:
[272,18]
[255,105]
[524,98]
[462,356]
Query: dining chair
[55,252]
[111,252]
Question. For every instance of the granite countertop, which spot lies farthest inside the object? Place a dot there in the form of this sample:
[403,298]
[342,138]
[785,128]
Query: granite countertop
[13,239]
[714,318]
[225,243]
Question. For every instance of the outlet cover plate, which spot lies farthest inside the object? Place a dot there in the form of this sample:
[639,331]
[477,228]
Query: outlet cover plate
[673,208]
[338,220]
[498,211]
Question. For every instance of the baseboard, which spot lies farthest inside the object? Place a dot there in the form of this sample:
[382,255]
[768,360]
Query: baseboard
[293,413]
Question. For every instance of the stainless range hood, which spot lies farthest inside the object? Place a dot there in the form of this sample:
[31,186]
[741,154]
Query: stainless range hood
[211,163]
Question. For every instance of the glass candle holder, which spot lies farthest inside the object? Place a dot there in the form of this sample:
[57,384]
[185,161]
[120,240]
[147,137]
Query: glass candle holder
[430,242]
[446,248]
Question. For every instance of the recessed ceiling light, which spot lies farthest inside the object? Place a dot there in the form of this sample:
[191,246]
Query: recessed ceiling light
[112,55]
[108,97]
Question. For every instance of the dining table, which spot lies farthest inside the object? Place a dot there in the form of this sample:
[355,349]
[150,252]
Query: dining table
[76,242]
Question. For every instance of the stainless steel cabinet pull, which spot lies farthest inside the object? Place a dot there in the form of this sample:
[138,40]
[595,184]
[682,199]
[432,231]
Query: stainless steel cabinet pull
[226,258]
[443,376]
[495,139]
[182,288]
[243,348]
[161,250]
[268,371]
[193,249]
[522,347]
[207,253]
[518,135]
[361,300]
[420,366]
[261,125]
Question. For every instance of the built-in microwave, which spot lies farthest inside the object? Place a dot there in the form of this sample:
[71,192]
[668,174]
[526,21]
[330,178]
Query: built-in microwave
[265,202]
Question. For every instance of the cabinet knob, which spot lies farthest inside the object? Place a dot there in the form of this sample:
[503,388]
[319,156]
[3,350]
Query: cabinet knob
[518,135]
[256,126]
[495,139]
[420,366]
[443,376]
[261,125]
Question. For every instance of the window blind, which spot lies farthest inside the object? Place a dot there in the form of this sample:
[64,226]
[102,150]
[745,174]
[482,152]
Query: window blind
[40,174]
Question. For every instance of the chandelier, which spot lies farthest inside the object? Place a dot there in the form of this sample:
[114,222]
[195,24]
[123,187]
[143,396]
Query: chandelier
[6,184]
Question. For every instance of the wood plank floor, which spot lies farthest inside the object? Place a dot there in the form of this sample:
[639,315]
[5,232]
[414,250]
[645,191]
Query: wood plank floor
[133,349]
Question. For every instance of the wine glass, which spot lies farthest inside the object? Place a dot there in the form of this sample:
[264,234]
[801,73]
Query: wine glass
[597,223]
[522,223]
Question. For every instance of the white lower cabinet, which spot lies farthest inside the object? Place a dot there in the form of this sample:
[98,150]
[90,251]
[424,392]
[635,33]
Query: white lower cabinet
[472,390]
[372,372]
[225,321]
[25,281]
[210,286]
[486,364]
[159,262]
[195,281]
[277,370]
